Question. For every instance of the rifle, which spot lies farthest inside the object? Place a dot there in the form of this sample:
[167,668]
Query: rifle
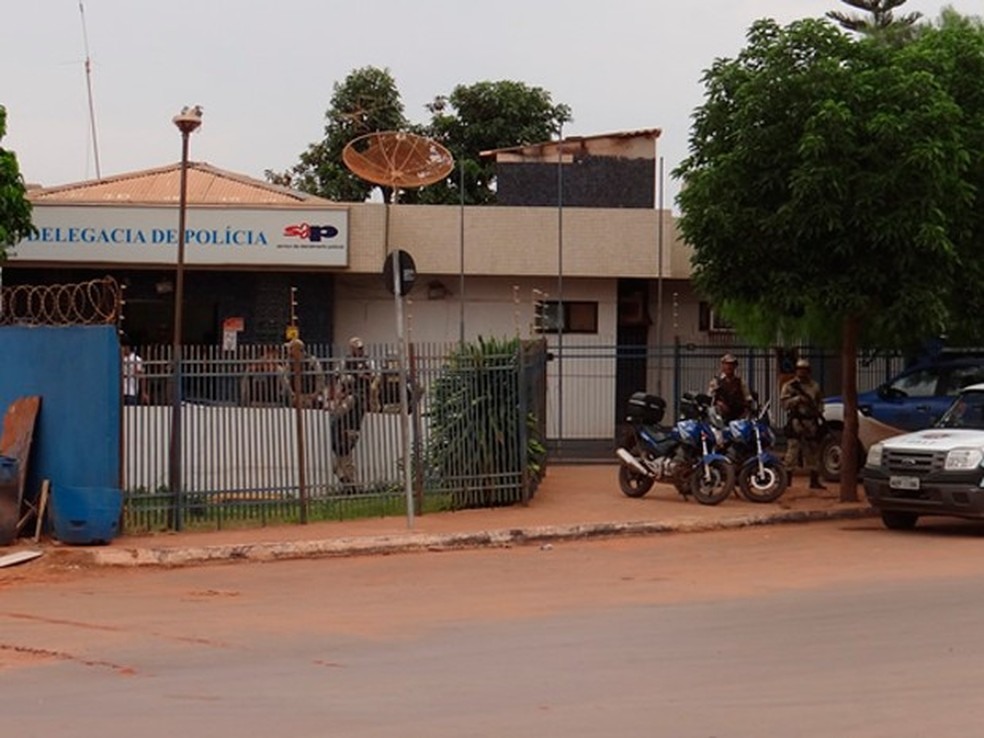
[812,414]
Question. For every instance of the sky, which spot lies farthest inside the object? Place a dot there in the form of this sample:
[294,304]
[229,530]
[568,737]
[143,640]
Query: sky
[264,71]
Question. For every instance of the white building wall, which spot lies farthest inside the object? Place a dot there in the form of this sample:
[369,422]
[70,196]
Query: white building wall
[497,307]
[500,307]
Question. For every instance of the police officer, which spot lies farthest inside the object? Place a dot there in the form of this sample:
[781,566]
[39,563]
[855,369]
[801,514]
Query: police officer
[731,396]
[350,403]
[802,400]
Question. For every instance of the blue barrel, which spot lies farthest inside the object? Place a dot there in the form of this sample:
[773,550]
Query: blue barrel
[85,515]
[9,499]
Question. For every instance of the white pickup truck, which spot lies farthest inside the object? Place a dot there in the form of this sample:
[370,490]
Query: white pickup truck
[938,471]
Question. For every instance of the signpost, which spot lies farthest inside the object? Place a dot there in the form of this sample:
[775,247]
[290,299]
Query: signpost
[399,274]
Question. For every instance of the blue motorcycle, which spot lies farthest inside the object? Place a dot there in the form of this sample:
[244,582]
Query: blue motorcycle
[683,454]
[761,476]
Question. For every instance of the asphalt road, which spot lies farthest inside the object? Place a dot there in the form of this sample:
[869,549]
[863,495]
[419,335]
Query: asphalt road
[825,629]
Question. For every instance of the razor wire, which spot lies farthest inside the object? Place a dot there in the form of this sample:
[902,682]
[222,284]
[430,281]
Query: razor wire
[96,302]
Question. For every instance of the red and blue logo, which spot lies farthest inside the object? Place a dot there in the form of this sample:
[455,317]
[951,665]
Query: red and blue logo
[313,233]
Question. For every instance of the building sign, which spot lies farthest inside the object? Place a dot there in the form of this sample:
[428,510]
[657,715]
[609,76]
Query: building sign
[213,236]
[231,328]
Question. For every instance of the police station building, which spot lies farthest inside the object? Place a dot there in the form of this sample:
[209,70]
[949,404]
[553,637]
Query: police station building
[589,246]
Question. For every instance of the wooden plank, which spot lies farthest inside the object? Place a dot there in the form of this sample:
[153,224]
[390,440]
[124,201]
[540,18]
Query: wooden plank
[18,557]
[34,511]
[42,508]
[18,432]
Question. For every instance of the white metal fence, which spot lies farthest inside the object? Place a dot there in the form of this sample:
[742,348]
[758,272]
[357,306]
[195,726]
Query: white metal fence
[262,433]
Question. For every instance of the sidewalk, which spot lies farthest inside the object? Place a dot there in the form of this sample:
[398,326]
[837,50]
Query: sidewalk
[573,502]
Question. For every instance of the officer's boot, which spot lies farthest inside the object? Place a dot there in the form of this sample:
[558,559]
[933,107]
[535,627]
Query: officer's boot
[815,482]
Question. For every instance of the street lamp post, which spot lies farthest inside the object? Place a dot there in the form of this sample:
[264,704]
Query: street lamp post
[187,121]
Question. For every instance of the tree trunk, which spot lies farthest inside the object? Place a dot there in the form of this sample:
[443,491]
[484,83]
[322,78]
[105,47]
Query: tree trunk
[849,385]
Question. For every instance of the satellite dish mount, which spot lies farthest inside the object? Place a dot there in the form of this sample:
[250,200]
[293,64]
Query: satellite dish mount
[399,160]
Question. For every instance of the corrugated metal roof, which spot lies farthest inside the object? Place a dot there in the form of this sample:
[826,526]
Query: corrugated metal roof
[537,147]
[207,185]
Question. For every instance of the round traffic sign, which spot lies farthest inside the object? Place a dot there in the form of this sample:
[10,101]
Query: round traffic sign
[406,272]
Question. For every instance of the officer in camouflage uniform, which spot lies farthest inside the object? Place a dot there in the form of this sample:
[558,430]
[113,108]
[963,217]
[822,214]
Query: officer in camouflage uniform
[350,401]
[731,396]
[802,400]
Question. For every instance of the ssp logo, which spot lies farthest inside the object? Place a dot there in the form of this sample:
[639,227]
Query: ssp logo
[312,233]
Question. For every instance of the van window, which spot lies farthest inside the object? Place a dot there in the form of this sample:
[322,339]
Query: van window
[920,383]
[961,376]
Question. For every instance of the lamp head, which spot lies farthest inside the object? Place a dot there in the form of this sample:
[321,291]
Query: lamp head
[189,119]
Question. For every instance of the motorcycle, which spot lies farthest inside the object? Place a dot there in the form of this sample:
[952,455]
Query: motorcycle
[683,454]
[761,475]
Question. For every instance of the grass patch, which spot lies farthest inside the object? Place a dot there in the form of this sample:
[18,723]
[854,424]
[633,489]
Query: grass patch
[152,513]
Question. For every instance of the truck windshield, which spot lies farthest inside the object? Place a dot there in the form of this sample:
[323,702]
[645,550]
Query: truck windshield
[967,411]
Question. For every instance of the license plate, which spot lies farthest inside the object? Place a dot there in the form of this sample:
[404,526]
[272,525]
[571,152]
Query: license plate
[903,482]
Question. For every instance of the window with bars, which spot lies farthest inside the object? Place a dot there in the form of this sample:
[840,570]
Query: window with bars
[554,316]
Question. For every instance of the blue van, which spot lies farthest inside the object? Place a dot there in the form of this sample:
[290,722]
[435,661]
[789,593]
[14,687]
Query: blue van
[913,400]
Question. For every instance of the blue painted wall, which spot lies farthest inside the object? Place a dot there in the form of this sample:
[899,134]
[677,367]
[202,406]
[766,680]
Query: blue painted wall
[76,371]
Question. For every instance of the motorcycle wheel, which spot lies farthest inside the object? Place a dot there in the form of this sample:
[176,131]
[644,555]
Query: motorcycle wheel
[632,483]
[718,487]
[765,486]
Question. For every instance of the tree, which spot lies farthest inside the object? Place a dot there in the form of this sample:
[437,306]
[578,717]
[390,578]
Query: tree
[485,116]
[953,52]
[365,102]
[15,208]
[823,178]
[880,18]
[472,119]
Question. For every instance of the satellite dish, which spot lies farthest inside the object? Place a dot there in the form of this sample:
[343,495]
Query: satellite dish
[397,159]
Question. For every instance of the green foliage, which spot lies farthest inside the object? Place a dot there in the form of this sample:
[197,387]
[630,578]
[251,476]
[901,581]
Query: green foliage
[823,179]
[15,208]
[476,424]
[953,53]
[472,119]
[486,116]
[367,101]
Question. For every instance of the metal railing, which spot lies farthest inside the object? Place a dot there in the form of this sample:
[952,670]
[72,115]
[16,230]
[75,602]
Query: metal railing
[261,432]
[264,435]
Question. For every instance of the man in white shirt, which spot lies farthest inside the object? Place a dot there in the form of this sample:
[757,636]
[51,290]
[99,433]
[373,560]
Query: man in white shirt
[134,392]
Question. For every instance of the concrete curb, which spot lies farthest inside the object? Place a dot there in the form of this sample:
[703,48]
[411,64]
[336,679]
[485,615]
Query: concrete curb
[416,542]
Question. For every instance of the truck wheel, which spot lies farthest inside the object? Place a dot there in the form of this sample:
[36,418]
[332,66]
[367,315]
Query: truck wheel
[898,520]
[831,456]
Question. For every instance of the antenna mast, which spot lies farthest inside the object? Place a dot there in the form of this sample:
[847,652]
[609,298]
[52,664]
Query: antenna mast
[88,84]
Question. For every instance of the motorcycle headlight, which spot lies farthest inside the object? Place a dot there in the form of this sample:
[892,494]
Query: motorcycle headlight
[962,459]
[875,455]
